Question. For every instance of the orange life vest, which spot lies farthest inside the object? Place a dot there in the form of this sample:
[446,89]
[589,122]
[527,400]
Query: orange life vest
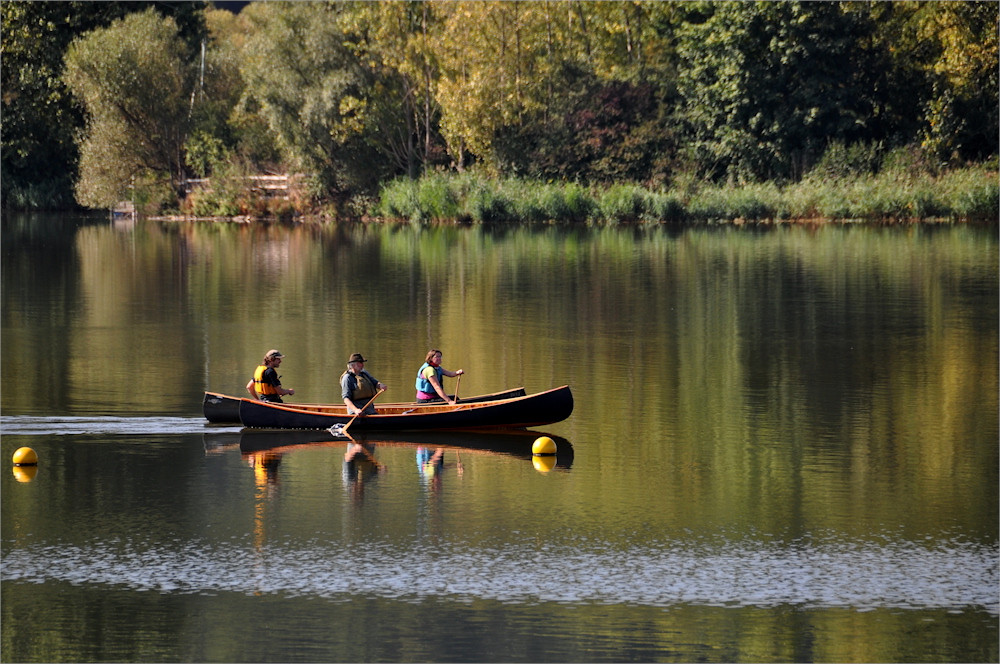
[262,386]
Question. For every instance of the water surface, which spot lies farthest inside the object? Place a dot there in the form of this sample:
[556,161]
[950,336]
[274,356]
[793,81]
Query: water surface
[783,447]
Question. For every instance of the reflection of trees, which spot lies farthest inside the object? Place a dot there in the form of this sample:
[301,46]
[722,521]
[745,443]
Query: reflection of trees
[769,370]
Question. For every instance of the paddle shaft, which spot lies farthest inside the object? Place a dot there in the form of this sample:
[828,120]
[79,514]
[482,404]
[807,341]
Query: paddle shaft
[457,383]
[348,425]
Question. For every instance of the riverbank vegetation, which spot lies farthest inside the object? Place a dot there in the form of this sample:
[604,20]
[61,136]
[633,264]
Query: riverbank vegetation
[893,195]
[491,111]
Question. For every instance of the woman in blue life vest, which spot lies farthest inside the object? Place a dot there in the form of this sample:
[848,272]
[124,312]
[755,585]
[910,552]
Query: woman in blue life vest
[429,387]
[266,383]
[357,386]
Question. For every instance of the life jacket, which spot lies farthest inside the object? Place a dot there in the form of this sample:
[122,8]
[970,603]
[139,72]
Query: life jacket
[423,384]
[365,386]
[262,386]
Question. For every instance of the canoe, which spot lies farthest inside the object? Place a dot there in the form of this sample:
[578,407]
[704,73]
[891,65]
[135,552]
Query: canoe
[223,409]
[538,409]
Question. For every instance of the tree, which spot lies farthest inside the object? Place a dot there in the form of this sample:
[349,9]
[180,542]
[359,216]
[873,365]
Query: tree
[396,40]
[134,80]
[962,117]
[40,116]
[942,75]
[306,82]
[769,84]
[560,89]
[224,132]
[608,71]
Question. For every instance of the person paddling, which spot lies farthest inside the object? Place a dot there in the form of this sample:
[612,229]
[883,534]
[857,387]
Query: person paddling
[429,387]
[266,383]
[357,386]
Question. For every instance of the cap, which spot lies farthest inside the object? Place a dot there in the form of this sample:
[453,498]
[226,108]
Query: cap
[357,357]
[272,354]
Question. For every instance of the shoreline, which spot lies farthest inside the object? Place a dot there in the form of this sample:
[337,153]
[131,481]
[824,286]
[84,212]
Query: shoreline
[738,222]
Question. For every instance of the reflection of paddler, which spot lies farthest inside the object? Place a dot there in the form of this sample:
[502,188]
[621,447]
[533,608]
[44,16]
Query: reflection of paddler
[429,463]
[265,467]
[265,479]
[360,463]
[360,467]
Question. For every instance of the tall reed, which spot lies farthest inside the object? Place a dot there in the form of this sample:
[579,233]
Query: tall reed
[829,193]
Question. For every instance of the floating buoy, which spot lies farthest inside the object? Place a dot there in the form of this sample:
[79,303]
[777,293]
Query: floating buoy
[25,473]
[544,464]
[25,456]
[543,446]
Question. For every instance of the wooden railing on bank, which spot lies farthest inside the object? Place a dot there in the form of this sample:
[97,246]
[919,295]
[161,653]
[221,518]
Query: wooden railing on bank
[269,186]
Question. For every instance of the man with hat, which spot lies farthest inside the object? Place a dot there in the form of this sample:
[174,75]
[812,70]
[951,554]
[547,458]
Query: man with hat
[266,383]
[357,386]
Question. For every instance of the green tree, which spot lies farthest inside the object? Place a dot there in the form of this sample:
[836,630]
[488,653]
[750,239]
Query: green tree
[486,51]
[769,84]
[569,90]
[135,82]
[962,116]
[942,75]
[225,132]
[396,40]
[306,81]
[40,116]
[609,71]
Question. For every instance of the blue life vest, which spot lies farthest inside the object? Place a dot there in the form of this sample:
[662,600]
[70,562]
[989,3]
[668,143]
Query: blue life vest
[423,384]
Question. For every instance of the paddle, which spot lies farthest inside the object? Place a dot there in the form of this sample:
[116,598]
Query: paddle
[348,425]
[457,383]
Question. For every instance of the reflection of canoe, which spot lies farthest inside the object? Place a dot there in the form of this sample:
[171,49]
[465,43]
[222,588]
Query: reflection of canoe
[225,409]
[220,442]
[519,412]
[515,443]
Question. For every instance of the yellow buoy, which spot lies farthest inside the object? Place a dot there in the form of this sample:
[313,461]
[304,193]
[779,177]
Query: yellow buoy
[544,464]
[25,473]
[543,446]
[25,456]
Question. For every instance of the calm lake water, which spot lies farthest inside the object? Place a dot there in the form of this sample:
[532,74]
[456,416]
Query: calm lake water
[784,446]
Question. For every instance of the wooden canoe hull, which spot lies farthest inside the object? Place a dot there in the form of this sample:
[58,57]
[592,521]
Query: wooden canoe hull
[223,409]
[514,413]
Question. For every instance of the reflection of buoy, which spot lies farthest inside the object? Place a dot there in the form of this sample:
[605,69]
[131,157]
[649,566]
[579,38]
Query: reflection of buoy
[25,473]
[25,456]
[543,446]
[544,464]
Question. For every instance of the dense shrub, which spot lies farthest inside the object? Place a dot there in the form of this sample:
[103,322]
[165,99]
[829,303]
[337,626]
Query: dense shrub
[399,200]
[485,204]
[436,199]
[622,203]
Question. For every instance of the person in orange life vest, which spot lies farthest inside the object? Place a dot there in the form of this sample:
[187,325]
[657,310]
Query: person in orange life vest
[429,387]
[357,386]
[266,383]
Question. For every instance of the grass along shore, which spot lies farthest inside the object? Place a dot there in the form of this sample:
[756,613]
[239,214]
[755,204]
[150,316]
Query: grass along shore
[966,194]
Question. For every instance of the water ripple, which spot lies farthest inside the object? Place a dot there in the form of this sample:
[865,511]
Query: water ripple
[26,425]
[859,576]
